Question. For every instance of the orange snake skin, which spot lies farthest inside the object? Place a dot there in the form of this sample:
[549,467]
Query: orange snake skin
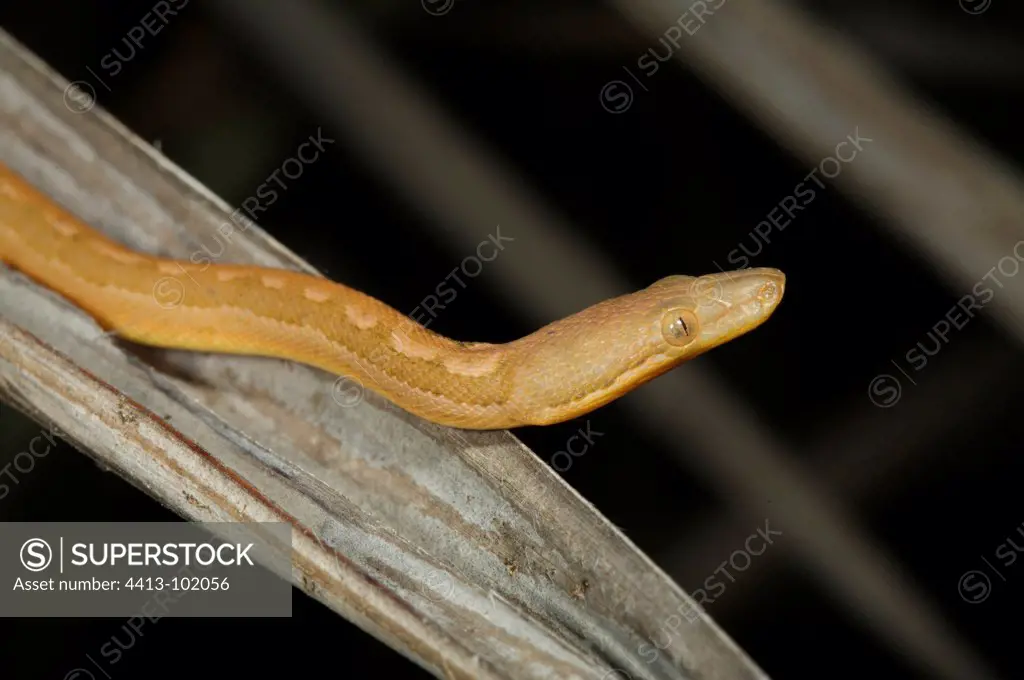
[564,370]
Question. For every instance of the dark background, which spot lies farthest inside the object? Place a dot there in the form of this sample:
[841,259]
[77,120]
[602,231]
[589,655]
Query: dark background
[669,186]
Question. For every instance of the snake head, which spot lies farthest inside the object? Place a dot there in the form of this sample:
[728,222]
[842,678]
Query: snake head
[574,365]
[700,313]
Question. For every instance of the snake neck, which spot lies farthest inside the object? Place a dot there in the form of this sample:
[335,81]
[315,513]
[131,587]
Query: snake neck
[585,360]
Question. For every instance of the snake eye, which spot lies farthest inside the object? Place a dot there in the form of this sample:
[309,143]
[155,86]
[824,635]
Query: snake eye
[679,327]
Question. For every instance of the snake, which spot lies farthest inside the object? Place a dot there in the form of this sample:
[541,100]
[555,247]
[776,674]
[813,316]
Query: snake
[561,371]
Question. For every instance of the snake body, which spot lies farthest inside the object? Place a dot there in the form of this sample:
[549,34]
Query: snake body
[561,371]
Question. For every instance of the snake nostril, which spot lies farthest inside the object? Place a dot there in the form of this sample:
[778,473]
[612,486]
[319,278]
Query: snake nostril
[768,293]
